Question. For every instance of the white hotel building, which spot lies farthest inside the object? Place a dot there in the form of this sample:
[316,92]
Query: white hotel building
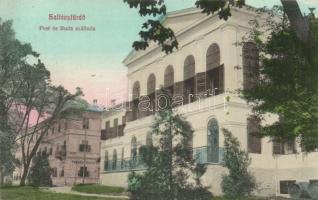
[208,58]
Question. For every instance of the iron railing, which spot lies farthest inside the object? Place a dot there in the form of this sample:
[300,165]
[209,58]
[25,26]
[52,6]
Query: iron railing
[202,155]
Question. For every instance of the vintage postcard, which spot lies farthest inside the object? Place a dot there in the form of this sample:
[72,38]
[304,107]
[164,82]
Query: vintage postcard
[158,99]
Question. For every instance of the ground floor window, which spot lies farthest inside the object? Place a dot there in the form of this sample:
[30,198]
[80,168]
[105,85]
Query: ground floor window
[83,172]
[284,185]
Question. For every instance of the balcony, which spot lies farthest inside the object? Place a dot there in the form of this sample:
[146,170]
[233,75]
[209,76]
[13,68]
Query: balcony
[202,155]
[113,132]
[208,155]
[127,164]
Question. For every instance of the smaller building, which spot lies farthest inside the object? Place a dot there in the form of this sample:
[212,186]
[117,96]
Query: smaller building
[73,147]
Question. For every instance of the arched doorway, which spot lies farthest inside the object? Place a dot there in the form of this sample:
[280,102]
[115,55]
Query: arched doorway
[213,141]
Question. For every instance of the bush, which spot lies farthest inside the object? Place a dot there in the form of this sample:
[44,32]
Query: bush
[97,189]
[239,182]
[40,172]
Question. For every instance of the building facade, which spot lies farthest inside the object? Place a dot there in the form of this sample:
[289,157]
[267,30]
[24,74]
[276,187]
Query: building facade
[73,148]
[211,63]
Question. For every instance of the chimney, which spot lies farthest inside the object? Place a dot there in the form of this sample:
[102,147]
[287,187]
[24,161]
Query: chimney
[95,101]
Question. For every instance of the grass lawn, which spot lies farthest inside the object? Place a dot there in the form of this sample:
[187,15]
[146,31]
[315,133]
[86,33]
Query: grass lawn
[97,189]
[30,193]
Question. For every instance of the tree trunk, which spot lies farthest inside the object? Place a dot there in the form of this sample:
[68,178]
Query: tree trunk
[1,176]
[24,174]
[297,21]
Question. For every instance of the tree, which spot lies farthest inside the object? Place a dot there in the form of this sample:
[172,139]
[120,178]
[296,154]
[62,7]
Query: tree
[40,172]
[13,55]
[153,30]
[288,84]
[170,163]
[239,182]
[27,99]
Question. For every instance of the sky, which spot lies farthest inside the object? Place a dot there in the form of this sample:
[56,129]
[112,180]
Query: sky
[91,60]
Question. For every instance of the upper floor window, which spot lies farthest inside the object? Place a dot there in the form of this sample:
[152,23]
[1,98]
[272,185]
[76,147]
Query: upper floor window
[107,124]
[84,147]
[214,71]
[85,123]
[115,127]
[136,90]
[169,77]
[250,65]
[151,88]
[188,76]
[151,84]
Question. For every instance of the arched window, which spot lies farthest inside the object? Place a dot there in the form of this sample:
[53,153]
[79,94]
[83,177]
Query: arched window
[151,84]
[151,88]
[149,139]
[169,76]
[188,76]
[213,141]
[135,102]
[106,161]
[136,90]
[114,159]
[250,65]
[133,147]
[122,157]
[254,140]
[215,72]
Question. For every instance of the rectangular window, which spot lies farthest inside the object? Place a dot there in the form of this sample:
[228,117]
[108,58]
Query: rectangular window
[284,185]
[107,125]
[83,172]
[313,181]
[84,147]
[254,140]
[115,127]
[54,172]
[283,147]
[85,123]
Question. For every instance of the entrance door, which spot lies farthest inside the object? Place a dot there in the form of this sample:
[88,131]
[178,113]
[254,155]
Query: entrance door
[213,142]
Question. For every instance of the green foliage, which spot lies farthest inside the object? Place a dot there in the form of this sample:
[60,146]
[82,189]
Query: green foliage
[40,172]
[97,189]
[12,55]
[239,182]
[288,85]
[170,163]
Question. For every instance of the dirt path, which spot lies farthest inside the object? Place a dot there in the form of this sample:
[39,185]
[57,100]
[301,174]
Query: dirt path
[68,190]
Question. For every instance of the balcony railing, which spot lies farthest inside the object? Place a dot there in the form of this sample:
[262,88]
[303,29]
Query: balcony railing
[112,132]
[202,155]
[124,165]
[208,155]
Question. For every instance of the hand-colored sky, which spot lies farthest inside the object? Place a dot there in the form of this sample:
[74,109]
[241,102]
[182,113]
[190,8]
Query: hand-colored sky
[91,60]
